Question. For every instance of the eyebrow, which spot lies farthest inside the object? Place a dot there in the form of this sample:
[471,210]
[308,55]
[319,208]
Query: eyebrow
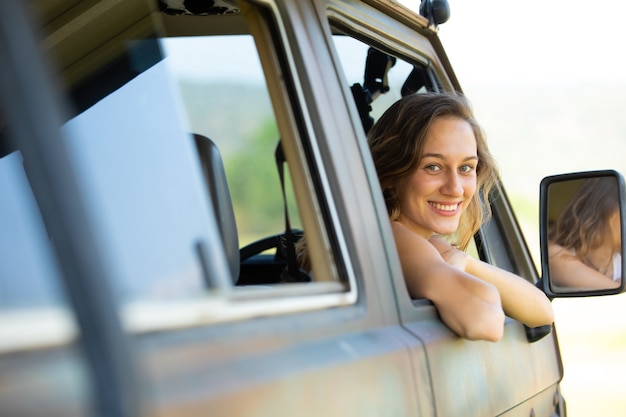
[441,156]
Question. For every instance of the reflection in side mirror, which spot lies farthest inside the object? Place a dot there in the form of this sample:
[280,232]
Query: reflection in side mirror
[582,230]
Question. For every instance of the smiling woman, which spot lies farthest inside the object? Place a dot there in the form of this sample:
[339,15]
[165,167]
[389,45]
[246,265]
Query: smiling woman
[435,169]
[436,194]
[413,134]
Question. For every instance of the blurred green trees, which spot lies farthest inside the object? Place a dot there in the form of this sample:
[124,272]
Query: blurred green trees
[255,185]
[240,120]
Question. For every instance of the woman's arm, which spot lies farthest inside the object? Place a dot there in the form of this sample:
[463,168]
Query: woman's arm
[520,299]
[468,306]
[567,270]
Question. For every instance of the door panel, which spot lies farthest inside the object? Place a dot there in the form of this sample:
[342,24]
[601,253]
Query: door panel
[364,373]
[484,378]
[545,403]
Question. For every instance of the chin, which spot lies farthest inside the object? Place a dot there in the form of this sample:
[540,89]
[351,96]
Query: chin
[447,229]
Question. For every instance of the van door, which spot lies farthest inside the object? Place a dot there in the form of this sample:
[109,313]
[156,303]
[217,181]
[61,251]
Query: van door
[468,377]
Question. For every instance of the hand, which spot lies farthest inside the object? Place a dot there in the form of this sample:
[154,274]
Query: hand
[449,253]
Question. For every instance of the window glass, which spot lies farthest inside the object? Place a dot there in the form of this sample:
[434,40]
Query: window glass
[141,176]
[225,98]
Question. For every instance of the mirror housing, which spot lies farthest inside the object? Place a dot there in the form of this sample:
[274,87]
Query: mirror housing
[582,227]
[436,11]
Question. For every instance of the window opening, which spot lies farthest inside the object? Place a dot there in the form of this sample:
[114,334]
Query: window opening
[377,78]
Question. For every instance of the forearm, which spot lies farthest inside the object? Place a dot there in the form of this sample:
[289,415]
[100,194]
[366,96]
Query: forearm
[568,271]
[520,299]
[470,307]
[487,323]
[467,305]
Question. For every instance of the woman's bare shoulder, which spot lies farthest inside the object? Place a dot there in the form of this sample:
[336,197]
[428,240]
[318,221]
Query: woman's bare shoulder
[399,229]
[416,252]
[406,237]
[556,251]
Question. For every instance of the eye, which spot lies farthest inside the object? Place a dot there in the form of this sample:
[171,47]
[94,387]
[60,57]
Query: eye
[432,168]
[466,169]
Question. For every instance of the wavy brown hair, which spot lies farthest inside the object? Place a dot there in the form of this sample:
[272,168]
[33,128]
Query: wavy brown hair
[397,141]
[583,223]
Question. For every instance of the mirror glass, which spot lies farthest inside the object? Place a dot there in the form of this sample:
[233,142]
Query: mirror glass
[582,233]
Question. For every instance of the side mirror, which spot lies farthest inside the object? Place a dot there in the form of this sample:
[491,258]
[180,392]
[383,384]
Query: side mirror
[582,228]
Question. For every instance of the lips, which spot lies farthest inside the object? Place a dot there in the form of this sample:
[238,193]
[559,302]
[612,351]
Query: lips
[445,208]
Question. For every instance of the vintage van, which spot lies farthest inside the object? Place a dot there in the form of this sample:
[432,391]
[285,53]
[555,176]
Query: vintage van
[159,158]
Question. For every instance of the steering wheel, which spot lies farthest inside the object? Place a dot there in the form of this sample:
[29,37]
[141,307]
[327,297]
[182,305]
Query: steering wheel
[269,269]
[260,246]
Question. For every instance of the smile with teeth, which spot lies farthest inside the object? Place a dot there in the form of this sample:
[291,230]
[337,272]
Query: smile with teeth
[445,207]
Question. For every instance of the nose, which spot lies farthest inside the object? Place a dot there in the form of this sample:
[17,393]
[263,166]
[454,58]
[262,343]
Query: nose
[453,185]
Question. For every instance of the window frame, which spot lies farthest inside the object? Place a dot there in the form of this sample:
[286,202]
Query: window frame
[336,285]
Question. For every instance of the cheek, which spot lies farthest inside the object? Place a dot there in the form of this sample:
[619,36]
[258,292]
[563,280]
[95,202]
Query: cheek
[469,186]
[417,185]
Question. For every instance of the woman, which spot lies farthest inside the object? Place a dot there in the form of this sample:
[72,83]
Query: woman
[434,167]
[585,241]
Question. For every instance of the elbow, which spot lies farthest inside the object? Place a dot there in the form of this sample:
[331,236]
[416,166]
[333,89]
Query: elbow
[475,317]
[488,321]
[489,335]
[485,323]
[488,326]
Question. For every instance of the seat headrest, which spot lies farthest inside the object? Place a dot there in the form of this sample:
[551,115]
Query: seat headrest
[215,177]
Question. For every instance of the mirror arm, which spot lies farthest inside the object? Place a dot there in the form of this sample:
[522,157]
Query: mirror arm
[534,334]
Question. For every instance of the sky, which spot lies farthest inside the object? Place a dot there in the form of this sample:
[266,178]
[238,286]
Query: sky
[550,41]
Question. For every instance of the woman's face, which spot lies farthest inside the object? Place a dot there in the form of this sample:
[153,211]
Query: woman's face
[443,184]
